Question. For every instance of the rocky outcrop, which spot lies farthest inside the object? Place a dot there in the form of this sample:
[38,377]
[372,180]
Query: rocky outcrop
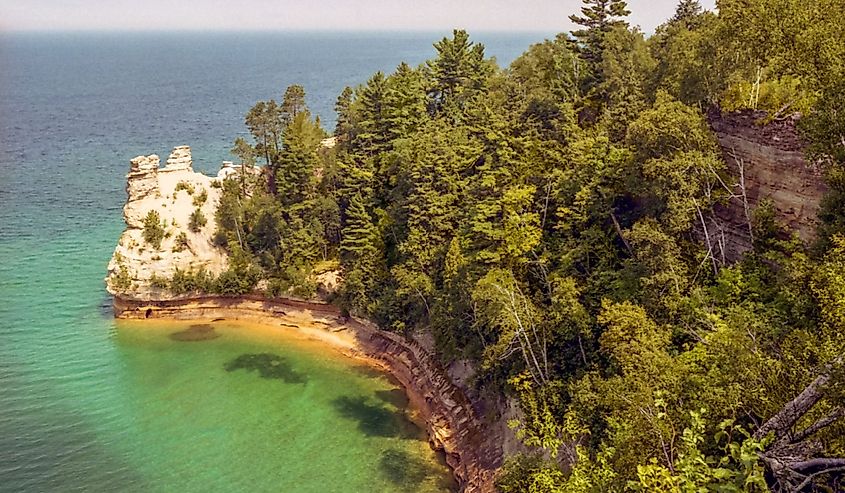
[180,159]
[770,160]
[136,261]
[452,424]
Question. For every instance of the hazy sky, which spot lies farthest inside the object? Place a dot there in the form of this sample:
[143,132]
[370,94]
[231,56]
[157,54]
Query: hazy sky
[515,15]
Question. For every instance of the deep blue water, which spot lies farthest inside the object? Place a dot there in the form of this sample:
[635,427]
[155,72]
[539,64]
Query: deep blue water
[85,406]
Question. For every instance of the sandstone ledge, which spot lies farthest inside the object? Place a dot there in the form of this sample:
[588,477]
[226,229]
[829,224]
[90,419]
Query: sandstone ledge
[451,423]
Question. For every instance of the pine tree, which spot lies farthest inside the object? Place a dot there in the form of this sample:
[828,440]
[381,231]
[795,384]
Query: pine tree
[598,18]
[266,126]
[373,133]
[293,103]
[358,232]
[458,72]
[298,159]
[686,13]
[405,101]
[343,109]
[362,257]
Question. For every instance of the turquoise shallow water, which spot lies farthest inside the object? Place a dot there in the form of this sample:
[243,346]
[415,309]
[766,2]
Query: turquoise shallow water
[87,405]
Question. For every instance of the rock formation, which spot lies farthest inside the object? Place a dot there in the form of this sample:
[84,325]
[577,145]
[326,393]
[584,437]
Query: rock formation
[769,159]
[149,188]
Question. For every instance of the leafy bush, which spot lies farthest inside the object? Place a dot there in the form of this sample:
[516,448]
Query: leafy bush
[159,282]
[785,94]
[153,229]
[189,281]
[197,220]
[200,198]
[277,287]
[121,281]
[529,473]
[326,266]
[241,276]
[181,242]
[183,185]
[220,239]
[304,285]
[236,282]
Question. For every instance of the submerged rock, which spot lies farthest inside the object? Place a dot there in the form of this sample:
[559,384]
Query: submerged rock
[196,333]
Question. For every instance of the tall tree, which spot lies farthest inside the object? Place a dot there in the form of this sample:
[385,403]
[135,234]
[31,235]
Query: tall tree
[458,72]
[361,255]
[405,107]
[265,123]
[293,103]
[343,109]
[598,17]
[246,155]
[687,13]
[373,133]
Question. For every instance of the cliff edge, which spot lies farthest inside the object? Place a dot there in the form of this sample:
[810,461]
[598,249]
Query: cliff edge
[766,161]
[174,192]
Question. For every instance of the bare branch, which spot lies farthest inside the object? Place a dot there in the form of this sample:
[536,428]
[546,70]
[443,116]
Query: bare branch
[795,409]
[818,425]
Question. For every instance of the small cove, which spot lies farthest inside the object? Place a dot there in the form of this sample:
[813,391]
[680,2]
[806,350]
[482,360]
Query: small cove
[92,405]
[268,410]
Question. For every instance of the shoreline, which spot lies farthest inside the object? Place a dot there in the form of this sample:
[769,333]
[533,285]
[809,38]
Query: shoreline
[450,422]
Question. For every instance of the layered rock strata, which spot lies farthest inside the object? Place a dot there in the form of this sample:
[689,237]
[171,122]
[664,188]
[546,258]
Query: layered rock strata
[769,159]
[451,422]
[175,192]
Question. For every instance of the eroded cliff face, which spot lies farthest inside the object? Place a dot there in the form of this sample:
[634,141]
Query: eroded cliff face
[770,161]
[150,188]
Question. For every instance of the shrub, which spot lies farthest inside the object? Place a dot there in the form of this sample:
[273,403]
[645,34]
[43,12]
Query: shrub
[200,198]
[183,185]
[153,229]
[181,242]
[324,266]
[304,285]
[188,281]
[241,276]
[158,281]
[121,281]
[197,220]
[220,239]
[277,287]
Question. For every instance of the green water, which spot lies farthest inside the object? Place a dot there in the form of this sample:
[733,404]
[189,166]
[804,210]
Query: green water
[88,404]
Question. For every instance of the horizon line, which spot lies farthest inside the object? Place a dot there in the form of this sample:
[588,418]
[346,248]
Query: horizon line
[296,30]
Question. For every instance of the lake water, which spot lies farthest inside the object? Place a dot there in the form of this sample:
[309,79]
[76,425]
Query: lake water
[90,405]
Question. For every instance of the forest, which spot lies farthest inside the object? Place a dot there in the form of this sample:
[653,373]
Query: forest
[544,221]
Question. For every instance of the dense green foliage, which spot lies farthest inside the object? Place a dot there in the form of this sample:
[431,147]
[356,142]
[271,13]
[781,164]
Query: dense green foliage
[153,231]
[551,222]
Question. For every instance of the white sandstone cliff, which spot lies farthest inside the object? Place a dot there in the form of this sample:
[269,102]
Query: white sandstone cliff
[135,261]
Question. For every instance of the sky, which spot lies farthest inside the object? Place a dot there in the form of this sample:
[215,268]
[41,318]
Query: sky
[242,15]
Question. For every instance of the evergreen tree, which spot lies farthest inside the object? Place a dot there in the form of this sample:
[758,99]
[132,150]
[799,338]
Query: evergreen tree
[343,109]
[405,105]
[687,13]
[458,73]
[598,17]
[265,123]
[293,103]
[373,131]
[361,256]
